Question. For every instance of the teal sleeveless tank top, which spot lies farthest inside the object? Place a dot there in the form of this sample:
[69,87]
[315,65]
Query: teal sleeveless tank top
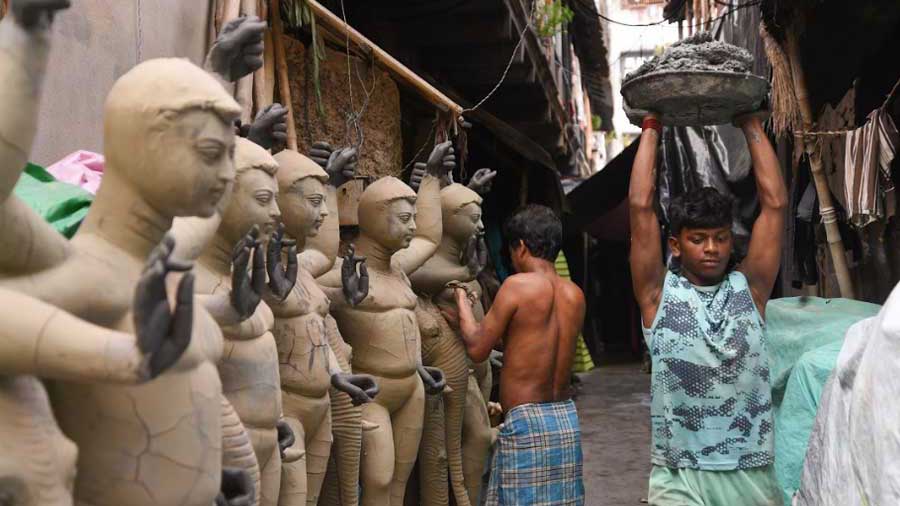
[711,405]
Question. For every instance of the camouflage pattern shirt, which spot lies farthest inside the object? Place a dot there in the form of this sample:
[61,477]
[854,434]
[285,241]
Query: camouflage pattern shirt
[711,406]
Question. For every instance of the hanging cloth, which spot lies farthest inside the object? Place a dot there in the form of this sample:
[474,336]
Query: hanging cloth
[868,188]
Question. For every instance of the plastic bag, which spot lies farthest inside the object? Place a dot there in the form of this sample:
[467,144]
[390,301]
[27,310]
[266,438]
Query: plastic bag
[63,205]
[854,450]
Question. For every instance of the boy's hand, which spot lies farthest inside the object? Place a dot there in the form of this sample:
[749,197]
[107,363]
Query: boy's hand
[747,119]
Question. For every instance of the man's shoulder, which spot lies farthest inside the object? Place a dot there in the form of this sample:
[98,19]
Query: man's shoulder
[572,291]
[527,281]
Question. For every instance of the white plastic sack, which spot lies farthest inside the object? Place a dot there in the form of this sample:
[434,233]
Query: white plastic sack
[854,450]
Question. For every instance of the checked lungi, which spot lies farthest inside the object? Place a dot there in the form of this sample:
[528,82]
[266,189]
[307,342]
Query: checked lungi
[537,460]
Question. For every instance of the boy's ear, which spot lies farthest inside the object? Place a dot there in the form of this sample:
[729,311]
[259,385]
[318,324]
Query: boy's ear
[674,247]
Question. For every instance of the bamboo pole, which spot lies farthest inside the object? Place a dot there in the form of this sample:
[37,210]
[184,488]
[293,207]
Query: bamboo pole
[432,94]
[281,71]
[269,69]
[260,98]
[244,90]
[230,10]
[826,206]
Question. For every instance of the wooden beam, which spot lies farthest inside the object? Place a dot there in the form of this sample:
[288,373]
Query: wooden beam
[406,76]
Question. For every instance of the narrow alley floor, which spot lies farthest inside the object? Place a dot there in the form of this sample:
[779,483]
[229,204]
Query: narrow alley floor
[614,410]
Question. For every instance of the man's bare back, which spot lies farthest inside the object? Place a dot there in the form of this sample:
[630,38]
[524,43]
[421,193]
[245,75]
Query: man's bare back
[539,342]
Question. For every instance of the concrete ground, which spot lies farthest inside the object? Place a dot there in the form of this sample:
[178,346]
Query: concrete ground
[614,410]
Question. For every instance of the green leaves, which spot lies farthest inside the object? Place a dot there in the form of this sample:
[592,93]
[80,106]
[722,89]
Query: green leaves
[550,18]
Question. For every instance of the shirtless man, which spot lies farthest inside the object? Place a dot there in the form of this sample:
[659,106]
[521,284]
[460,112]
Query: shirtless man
[537,315]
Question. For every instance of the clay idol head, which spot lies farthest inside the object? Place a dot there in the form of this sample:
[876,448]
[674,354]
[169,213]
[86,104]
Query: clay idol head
[302,194]
[387,213]
[253,200]
[461,212]
[168,132]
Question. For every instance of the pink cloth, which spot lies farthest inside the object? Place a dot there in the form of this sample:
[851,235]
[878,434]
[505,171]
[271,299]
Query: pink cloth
[81,168]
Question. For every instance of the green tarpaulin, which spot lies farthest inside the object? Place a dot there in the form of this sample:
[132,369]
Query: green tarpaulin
[63,205]
[805,336]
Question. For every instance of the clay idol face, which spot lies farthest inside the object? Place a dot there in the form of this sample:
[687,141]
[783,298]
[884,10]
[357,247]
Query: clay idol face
[401,225]
[464,223]
[194,164]
[252,203]
[304,207]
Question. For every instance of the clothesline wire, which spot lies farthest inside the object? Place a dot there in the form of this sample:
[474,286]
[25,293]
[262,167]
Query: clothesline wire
[733,8]
[828,133]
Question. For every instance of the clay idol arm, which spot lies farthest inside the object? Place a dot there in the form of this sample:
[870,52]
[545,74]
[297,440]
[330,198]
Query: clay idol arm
[30,243]
[39,339]
[23,62]
[429,227]
[321,251]
[42,340]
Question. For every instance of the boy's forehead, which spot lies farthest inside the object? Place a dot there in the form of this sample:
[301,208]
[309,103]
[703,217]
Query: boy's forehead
[704,231]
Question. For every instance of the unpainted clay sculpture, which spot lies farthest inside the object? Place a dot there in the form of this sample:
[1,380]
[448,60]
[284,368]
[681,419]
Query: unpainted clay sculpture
[37,462]
[249,367]
[308,342]
[399,231]
[341,486]
[454,260]
[168,136]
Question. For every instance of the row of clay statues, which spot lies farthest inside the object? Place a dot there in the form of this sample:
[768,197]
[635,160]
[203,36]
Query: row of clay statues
[191,345]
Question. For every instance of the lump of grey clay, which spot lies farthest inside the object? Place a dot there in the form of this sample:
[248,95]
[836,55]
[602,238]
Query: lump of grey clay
[697,53]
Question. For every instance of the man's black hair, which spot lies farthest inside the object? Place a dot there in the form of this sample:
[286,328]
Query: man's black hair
[538,228]
[702,208]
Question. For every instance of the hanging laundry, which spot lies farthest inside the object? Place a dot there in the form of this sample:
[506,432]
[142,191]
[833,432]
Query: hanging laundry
[868,188]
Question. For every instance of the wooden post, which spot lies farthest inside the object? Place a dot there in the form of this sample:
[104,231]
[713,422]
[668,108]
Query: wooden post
[281,72]
[826,206]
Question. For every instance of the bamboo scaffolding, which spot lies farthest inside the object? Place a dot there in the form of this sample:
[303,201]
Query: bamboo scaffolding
[826,206]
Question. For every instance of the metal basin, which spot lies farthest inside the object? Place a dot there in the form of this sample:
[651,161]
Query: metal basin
[693,98]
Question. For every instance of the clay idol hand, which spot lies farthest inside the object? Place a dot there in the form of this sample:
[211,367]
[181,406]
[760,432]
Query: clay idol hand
[163,334]
[341,166]
[433,378]
[482,181]
[269,129]
[475,254]
[320,152]
[246,289]
[281,280]
[354,281]
[360,387]
[238,51]
[286,437]
[236,488]
[30,14]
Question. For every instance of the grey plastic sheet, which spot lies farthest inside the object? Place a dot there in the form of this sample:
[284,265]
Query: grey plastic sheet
[695,157]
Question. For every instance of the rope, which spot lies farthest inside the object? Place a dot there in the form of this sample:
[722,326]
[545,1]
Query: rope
[505,71]
[354,117]
[428,140]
